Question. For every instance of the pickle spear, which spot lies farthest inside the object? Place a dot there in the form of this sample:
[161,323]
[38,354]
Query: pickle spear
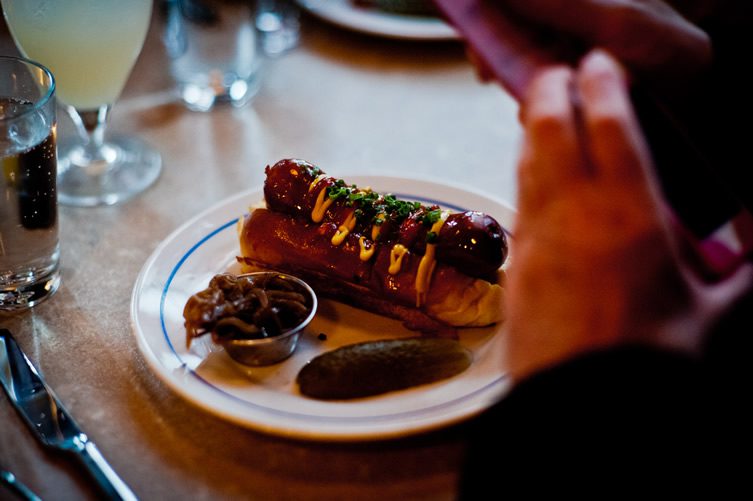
[376,367]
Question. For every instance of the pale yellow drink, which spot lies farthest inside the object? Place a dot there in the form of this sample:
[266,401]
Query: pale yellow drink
[89,45]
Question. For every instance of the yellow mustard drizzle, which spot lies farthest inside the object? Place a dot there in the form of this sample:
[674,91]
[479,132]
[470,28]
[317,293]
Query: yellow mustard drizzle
[377,227]
[345,228]
[427,264]
[365,253]
[316,181]
[321,206]
[396,258]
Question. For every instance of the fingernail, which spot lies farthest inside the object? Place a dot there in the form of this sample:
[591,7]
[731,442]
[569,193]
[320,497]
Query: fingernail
[600,62]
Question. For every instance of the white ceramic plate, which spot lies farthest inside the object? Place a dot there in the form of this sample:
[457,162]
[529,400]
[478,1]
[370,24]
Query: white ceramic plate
[376,22]
[267,398]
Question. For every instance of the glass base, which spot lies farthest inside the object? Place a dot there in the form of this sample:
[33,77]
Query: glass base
[126,167]
[201,94]
[28,291]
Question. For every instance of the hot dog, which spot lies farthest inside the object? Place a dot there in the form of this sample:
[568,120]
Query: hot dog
[430,268]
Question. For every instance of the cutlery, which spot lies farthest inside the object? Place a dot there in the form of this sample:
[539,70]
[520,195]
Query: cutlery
[16,486]
[48,419]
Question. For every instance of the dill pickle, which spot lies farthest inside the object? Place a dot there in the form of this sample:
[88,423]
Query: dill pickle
[376,367]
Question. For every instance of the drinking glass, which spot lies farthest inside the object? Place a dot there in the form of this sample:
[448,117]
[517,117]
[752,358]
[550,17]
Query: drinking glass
[278,25]
[213,51]
[28,203]
[90,46]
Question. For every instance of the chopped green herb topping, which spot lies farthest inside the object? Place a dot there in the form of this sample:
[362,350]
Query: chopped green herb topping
[364,197]
[399,209]
[431,217]
[338,190]
[370,204]
[431,237]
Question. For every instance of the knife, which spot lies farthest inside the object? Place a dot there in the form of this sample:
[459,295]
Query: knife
[48,419]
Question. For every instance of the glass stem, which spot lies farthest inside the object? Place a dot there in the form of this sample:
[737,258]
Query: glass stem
[91,125]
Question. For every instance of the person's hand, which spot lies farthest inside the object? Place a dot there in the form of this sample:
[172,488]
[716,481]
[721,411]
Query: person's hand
[511,40]
[650,37]
[594,260]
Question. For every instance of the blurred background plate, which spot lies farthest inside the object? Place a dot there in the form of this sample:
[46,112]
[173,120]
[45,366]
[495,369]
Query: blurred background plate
[377,22]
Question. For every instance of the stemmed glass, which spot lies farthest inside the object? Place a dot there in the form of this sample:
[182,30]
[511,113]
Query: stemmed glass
[90,46]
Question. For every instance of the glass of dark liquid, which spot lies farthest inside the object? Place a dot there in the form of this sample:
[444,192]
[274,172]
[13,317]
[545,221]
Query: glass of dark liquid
[28,200]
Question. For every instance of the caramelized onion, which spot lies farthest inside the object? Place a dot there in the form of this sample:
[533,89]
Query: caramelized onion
[250,306]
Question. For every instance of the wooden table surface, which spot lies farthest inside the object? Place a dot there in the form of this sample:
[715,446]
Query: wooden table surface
[350,102]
